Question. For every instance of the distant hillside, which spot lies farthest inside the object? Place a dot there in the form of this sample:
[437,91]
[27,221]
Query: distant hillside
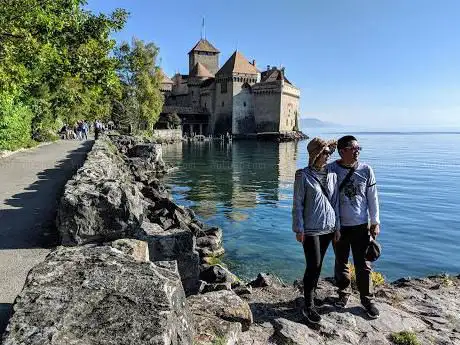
[316,123]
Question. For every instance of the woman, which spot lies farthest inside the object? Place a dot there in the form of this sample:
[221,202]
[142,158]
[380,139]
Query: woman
[315,218]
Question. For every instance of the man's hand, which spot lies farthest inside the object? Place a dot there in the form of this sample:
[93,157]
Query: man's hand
[299,237]
[336,236]
[375,230]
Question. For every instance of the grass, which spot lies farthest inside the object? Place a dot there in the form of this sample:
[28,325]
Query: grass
[404,338]
[446,281]
[214,260]
[377,278]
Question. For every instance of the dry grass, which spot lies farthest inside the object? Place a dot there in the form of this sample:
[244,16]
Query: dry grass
[377,278]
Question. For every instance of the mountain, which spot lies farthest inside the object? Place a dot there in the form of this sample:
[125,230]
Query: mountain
[316,123]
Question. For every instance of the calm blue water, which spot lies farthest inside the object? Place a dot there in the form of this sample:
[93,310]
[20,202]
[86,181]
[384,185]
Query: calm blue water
[246,189]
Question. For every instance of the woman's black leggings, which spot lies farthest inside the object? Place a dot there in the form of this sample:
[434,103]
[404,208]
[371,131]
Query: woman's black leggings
[314,248]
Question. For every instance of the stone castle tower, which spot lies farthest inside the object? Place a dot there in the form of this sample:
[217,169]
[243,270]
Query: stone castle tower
[205,53]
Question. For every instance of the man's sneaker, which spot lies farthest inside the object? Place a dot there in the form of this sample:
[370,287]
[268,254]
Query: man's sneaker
[371,310]
[311,315]
[342,301]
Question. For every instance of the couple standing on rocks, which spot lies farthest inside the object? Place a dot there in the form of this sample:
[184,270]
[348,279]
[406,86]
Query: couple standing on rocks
[335,203]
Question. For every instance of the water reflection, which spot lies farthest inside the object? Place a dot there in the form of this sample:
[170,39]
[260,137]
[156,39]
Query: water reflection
[232,177]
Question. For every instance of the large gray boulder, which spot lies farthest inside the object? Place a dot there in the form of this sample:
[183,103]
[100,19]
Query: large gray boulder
[103,211]
[223,304]
[99,295]
[101,202]
[146,162]
[174,244]
[219,316]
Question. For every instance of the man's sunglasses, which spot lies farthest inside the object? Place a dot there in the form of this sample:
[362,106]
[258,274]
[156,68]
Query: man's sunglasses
[354,148]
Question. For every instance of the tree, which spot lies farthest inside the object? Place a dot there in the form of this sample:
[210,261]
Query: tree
[174,120]
[55,59]
[140,80]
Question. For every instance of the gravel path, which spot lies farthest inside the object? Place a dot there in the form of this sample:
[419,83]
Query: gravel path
[31,183]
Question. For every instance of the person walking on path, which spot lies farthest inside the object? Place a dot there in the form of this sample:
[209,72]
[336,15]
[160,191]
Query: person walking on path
[315,216]
[97,129]
[85,130]
[358,205]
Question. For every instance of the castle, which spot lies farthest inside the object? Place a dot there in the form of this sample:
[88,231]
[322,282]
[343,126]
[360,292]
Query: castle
[236,98]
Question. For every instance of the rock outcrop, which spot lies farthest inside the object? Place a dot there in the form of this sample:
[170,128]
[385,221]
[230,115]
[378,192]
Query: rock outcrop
[100,295]
[219,316]
[428,308]
[117,195]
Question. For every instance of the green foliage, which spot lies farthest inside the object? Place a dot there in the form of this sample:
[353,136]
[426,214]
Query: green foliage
[174,120]
[15,123]
[404,338]
[142,100]
[55,60]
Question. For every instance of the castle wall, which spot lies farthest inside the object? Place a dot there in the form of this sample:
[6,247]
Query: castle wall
[267,106]
[222,116]
[180,85]
[207,99]
[194,94]
[289,107]
[209,60]
[243,121]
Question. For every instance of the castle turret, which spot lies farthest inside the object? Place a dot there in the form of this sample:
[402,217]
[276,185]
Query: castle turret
[206,54]
[197,75]
[233,95]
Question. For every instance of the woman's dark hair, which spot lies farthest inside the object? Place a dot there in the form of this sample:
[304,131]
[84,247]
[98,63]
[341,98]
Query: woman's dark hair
[345,141]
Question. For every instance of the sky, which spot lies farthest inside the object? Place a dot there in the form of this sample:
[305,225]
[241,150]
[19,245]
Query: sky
[370,63]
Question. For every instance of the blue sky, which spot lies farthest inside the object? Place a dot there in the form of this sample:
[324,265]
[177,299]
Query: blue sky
[369,63]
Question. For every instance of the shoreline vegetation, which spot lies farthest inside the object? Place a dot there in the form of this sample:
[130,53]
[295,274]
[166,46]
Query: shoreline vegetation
[137,268]
[60,65]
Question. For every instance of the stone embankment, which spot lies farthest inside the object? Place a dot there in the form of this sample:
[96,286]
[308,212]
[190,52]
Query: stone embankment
[136,268]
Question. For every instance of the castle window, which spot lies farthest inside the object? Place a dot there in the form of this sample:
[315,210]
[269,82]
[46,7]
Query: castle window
[287,122]
[205,104]
[244,104]
[223,87]
[223,104]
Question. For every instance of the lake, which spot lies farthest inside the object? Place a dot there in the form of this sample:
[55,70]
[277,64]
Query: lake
[246,189]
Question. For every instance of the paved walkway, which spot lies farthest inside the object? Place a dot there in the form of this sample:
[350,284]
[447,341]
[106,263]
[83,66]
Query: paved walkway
[31,183]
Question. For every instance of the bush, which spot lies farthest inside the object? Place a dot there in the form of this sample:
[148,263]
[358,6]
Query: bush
[43,135]
[15,123]
[404,338]
[377,278]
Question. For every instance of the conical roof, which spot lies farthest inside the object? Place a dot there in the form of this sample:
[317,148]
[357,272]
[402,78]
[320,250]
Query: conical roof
[237,63]
[200,71]
[204,45]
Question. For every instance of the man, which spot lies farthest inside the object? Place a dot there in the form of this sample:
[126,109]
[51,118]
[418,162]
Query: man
[358,205]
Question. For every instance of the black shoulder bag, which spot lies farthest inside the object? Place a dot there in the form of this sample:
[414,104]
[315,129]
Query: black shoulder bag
[346,179]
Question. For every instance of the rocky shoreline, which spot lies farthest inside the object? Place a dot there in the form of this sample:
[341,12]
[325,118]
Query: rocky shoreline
[136,268]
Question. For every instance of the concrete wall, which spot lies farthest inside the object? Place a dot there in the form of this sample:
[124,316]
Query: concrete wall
[211,61]
[267,106]
[168,134]
[289,107]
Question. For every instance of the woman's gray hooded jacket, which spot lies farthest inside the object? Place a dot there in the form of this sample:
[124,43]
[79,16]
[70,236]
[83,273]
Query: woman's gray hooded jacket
[314,213]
